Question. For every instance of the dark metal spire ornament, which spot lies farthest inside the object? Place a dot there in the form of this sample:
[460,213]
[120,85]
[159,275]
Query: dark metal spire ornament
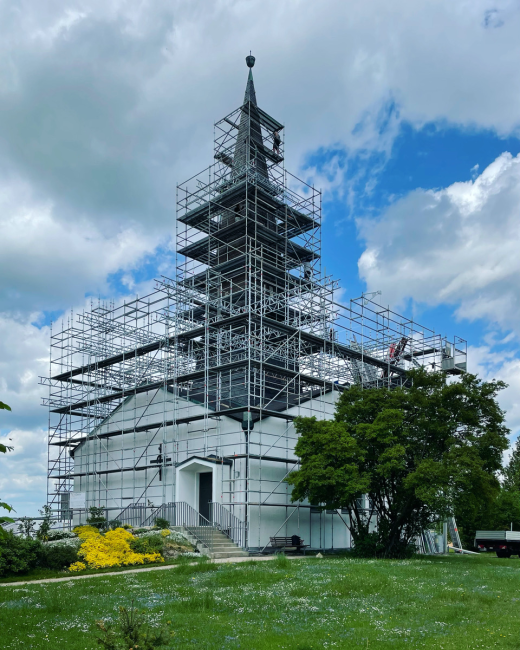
[249,149]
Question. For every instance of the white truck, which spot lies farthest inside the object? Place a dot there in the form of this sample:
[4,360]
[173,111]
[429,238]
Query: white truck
[504,543]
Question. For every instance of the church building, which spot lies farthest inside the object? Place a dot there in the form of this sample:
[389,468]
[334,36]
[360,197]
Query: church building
[181,403]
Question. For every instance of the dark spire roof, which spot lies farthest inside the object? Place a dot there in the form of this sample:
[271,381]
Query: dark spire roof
[250,95]
[249,147]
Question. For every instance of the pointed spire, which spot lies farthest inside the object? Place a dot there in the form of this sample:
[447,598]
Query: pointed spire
[249,146]
[250,95]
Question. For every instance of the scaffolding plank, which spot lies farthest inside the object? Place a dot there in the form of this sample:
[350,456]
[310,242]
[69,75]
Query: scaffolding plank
[138,352]
[263,413]
[110,361]
[269,153]
[266,120]
[197,374]
[201,216]
[273,459]
[106,471]
[318,342]
[325,345]
[245,227]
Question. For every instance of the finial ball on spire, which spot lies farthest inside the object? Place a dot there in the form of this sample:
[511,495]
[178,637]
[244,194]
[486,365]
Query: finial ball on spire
[250,60]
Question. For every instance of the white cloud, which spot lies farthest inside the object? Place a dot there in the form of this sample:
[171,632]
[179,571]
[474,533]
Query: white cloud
[23,471]
[46,263]
[23,358]
[105,105]
[490,364]
[457,245]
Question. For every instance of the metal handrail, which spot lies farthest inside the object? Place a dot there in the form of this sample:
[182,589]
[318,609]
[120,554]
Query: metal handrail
[228,524]
[135,514]
[182,514]
[157,512]
[203,529]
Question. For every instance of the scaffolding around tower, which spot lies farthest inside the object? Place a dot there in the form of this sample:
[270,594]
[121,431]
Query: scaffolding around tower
[207,372]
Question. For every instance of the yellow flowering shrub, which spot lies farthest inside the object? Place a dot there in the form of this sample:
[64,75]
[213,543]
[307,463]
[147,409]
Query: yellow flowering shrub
[77,566]
[109,550]
[86,532]
[165,532]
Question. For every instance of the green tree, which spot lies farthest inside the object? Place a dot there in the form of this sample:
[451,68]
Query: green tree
[418,452]
[97,517]
[506,510]
[45,526]
[512,471]
[3,450]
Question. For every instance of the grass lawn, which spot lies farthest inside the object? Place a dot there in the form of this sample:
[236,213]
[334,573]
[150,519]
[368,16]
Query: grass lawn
[431,602]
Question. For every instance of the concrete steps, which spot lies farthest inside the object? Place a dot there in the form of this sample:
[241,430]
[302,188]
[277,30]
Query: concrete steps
[215,544]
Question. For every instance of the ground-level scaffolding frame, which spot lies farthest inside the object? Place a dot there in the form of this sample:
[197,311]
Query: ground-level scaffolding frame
[92,395]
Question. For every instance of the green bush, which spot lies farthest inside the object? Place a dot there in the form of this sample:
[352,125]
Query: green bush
[162,523]
[58,556]
[18,554]
[148,544]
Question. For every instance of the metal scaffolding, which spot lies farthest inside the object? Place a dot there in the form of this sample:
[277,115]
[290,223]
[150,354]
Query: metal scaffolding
[249,331]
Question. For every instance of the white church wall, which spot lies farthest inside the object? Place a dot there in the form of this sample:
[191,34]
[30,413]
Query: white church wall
[261,483]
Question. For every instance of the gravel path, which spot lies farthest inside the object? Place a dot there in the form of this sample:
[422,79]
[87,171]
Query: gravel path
[227,560]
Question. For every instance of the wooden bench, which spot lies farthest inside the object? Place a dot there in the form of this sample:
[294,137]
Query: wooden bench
[294,541]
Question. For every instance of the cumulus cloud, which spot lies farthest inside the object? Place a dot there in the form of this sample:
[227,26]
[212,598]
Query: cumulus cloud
[24,356]
[105,105]
[24,360]
[46,263]
[492,364]
[23,471]
[458,245]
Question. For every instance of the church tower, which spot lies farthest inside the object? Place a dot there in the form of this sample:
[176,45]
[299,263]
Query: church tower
[249,262]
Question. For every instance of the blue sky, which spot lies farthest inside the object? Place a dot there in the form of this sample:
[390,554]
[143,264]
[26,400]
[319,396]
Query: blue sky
[430,157]
[406,114]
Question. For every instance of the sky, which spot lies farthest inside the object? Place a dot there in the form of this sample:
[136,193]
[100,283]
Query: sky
[406,115]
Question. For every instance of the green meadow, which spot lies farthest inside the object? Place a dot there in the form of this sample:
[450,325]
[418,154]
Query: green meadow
[335,602]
